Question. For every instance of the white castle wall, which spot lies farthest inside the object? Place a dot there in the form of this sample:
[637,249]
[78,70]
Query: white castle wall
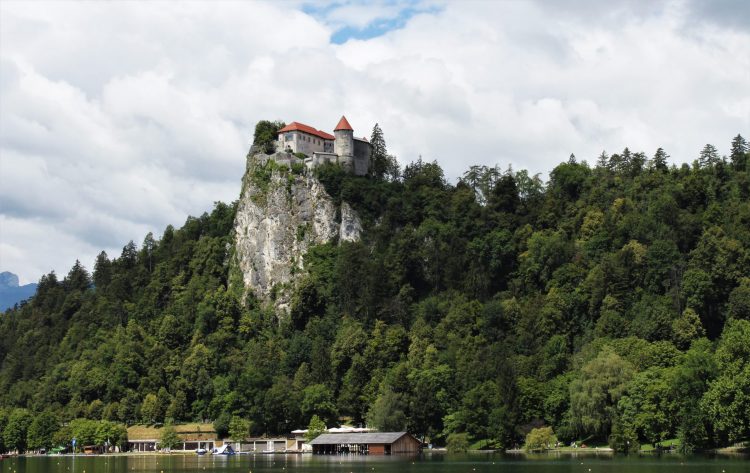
[344,143]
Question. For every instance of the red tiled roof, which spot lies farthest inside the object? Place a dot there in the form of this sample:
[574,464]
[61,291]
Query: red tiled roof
[297,126]
[343,125]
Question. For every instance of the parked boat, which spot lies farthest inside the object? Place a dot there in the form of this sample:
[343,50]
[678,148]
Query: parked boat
[201,451]
[225,449]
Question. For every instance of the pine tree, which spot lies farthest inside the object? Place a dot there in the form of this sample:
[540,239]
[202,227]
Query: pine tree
[102,270]
[77,278]
[709,156]
[739,153]
[147,251]
[379,153]
[660,160]
[129,255]
[603,160]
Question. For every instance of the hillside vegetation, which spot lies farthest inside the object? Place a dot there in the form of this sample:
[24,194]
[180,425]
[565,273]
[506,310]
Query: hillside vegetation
[611,303]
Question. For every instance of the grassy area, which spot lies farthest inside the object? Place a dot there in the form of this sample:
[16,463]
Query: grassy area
[648,447]
[149,432]
[589,442]
[483,444]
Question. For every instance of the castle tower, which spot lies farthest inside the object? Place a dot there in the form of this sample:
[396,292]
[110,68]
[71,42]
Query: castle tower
[343,145]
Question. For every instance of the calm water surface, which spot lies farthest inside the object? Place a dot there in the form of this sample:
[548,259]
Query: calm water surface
[562,463]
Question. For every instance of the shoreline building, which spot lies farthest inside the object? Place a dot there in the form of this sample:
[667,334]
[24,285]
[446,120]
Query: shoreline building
[144,438]
[300,435]
[370,443]
[320,147]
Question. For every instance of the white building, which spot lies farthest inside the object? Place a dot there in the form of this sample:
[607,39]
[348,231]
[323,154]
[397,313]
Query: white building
[320,147]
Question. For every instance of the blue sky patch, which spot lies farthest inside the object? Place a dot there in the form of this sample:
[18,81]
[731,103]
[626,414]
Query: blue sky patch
[376,27]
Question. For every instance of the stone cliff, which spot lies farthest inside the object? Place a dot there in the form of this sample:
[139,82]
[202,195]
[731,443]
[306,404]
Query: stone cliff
[282,212]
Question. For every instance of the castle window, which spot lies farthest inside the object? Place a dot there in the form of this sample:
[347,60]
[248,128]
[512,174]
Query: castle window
[288,137]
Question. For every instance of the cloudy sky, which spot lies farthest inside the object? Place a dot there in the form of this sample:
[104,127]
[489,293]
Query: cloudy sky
[119,118]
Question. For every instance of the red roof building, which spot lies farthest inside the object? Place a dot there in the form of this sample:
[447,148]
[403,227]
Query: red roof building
[320,147]
[297,126]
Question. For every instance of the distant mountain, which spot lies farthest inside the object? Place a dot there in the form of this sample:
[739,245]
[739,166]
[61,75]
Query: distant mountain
[11,293]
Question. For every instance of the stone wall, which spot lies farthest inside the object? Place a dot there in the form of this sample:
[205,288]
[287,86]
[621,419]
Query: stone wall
[301,143]
[343,145]
[318,159]
[362,154]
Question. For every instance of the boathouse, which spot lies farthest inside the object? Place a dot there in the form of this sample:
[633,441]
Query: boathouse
[143,438]
[372,443]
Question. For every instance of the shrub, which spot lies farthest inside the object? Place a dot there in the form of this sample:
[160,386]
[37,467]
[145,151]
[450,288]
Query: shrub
[266,133]
[542,438]
[458,443]
[169,438]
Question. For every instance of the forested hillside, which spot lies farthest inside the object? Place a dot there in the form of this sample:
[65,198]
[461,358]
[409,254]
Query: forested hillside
[611,303]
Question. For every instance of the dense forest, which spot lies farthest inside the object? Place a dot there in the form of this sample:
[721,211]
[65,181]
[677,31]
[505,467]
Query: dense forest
[611,303]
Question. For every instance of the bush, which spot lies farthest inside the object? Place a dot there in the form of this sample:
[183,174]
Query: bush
[542,438]
[458,443]
[169,438]
[266,133]
[298,168]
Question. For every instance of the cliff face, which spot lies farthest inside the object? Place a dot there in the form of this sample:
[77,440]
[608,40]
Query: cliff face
[280,215]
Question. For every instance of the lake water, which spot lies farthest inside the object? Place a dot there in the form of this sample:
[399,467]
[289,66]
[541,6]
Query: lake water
[428,463]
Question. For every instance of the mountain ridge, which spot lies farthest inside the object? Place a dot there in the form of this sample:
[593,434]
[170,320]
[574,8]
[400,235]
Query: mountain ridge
[11,293]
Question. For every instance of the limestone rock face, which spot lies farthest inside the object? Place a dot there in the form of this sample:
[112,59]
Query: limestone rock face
[280,215]
[351,227]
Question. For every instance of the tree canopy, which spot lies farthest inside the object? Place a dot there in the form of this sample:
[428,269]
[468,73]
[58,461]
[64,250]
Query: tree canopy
[611,302]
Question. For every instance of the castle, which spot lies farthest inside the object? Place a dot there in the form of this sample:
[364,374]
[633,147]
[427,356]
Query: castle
[320,147]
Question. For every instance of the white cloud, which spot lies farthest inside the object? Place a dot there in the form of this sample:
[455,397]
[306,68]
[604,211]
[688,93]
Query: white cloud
[119,118]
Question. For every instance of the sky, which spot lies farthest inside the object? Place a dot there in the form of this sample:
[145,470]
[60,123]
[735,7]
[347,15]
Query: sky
[119,118]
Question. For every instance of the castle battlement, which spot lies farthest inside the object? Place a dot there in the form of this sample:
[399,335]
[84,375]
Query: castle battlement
[320,147]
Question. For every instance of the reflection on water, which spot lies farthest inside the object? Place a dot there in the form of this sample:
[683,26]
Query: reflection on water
[470,463]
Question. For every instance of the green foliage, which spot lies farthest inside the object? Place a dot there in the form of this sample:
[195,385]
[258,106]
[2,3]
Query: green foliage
[41,431]
[260,177]
[149,409]
[383,165]
[168,437]
[266,133]
[221,425]
[15,433]
[623,438]
[239,429]
[457,443]
[317,399]
[315,428]
[726,403]
[739,301]
[541,438]
[388,414]
[594,395]
[686,328]
[610,302]
[93,432]
[649,408]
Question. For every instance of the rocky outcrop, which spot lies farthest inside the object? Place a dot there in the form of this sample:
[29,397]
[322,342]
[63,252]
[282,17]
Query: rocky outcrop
[280,215]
